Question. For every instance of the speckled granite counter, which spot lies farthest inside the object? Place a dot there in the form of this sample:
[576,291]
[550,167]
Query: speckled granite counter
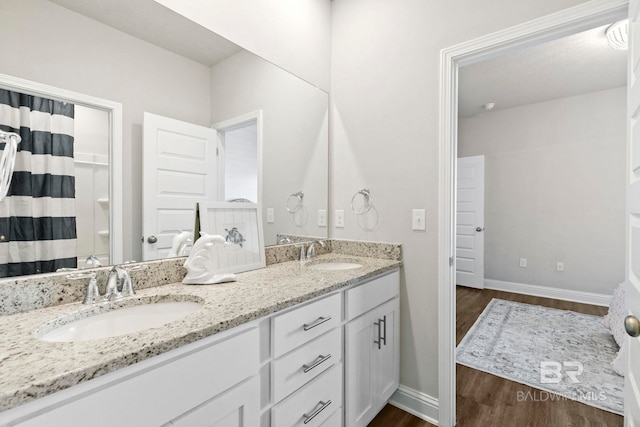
[30,368]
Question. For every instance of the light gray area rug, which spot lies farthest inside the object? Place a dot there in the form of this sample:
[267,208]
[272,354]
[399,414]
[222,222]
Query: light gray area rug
[564,353]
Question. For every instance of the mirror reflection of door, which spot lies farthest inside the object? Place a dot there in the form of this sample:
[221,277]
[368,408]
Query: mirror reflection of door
[186,163]
[179,169]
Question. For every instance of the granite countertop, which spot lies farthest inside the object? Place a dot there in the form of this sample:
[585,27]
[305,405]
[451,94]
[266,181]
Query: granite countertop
[31,368]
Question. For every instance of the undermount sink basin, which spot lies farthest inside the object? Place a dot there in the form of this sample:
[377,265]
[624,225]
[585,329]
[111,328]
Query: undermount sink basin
[334,265]
[116,319]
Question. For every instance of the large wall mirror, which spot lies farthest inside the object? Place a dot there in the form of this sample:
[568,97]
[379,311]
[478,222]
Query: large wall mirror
[270,127]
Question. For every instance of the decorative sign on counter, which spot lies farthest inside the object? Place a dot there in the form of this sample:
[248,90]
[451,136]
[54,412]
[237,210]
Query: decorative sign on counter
[240,224]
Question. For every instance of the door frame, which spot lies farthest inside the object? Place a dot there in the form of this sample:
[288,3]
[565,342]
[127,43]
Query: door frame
[563,23]
[221,127]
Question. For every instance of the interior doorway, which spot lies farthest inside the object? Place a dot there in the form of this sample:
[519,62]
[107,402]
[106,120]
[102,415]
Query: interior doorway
[570,21]
[240,158]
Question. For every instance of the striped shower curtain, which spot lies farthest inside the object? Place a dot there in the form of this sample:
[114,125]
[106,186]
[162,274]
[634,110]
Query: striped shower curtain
[37,219]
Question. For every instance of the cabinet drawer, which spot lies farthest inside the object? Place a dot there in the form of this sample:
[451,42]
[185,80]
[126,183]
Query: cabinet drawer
[335,420]
[294,370]
[369,295]
[313,403]
[303,324]
[160,394]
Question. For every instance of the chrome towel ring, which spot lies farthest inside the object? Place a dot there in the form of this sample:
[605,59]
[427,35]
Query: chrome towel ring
[366,203]
[297,199]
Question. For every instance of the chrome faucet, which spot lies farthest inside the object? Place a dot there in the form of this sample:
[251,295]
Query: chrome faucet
[311,250]
[111,293]
[111,290]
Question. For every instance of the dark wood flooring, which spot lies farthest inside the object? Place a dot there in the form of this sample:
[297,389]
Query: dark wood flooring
[390,416]
[486,400]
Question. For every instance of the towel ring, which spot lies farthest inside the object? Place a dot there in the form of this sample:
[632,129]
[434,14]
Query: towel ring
[366,205]
[298,202]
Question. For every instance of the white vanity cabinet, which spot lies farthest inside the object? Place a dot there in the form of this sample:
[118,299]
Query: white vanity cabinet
[327,362]
[371,348]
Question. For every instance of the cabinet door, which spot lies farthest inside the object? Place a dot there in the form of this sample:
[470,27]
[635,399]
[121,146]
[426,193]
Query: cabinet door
[388,366]
[360,402]
[238,407]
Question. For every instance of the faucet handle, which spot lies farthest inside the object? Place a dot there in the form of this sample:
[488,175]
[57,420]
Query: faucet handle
[125,274]
[92,291]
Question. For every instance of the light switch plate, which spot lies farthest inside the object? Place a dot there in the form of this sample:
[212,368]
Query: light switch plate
[270,216]
[339,218]
[322,217]
[419,220]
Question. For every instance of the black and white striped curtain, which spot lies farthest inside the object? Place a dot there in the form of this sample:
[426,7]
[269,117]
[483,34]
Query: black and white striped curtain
[37,219]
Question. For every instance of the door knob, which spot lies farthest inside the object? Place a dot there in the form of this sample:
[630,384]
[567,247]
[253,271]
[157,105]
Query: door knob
[479,229]
[632,325]
[152,239]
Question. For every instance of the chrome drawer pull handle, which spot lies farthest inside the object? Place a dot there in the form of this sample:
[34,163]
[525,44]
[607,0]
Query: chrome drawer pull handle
[308,418]
[383,338]
[320,359]
[318,322]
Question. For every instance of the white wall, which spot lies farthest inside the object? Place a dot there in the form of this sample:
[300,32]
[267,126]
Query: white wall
[554,190]
[46,43]
[294,34]
[384,135]
[295,152]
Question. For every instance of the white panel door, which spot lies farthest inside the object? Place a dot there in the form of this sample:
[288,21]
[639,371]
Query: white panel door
[179,169]
[470,222]
[632,379]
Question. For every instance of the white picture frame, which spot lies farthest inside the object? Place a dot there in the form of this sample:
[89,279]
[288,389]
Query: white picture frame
[241,226]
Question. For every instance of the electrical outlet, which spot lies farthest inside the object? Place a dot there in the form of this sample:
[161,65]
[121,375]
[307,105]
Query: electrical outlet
[271,216]
[419,220]
[322,217]
[523,262]
[339,218]
[560,266]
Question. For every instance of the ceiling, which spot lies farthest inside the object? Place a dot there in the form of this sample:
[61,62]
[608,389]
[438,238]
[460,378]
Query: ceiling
[156,24]
[574,65]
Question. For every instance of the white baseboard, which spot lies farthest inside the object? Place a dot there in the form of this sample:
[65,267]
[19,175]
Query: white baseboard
[544,291]
[416,403]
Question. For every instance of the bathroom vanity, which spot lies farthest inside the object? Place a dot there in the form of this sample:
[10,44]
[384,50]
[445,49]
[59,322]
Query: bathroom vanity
[291,344]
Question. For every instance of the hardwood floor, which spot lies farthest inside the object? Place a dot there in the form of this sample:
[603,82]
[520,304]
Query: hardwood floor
[486,400]
[390,416]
